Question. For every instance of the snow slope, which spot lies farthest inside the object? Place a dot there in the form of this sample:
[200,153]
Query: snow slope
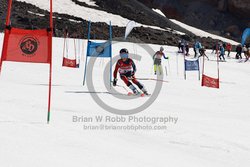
[212,128]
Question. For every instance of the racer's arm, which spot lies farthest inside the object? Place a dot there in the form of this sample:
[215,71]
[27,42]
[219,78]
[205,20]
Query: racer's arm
[117,66]
[164,56]
[134,66]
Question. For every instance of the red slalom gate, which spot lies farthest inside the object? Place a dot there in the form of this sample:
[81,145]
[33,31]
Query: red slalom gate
[210,81]
[33,46]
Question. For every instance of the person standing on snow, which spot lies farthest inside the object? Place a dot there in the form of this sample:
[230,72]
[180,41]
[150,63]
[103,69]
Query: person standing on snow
[179,46]
[186,48]
[222,52]
[248,54]
[197,48]
[195,53]
[244,49]
[228,48]
[214,48]
[238,52]
[224,45]
[182,46]
[157,60]
[202,52]
[127,69]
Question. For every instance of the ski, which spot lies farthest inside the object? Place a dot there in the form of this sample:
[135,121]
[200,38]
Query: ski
[139,94]
[153,79]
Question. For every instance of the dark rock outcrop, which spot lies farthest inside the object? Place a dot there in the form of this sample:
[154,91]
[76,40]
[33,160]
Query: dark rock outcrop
[28,16]
[217,16]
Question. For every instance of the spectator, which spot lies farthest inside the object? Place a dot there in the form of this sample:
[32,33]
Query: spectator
[197,48]
[214,48]
[182,46]
[179,45]
[245,50]
[222,53]
[228,48]
[202,52]
[238,52]
[195,53]
[248,54]
[186,48]
[224,45]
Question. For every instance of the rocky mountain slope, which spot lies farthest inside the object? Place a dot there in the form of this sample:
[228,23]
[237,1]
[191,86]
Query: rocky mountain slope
[222,17]
[24,15]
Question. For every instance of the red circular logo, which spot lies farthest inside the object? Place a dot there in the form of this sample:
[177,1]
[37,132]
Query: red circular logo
[29,45]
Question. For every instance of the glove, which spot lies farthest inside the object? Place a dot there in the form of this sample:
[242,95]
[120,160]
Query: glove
[114,82]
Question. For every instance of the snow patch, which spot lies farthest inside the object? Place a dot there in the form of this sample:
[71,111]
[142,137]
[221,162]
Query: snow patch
[70,8]
[202,33]
[159,12]
[38,14]
[76,21]
[89,2]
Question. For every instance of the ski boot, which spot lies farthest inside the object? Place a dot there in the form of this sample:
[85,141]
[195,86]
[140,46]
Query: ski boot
[135,91]
[144,91]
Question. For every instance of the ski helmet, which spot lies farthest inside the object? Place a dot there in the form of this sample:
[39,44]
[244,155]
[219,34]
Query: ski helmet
[124,53]
[124,50]
[161,48]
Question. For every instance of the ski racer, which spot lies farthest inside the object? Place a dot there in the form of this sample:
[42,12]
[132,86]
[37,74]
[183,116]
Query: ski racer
[157,60]
[127,69]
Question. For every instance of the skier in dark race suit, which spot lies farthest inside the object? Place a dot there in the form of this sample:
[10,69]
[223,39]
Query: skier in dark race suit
[127,69]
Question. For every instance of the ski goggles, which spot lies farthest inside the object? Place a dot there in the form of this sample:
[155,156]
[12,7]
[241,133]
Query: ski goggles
[124,55]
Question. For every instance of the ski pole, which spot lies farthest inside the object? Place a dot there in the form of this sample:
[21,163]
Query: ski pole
[121,87]
[152,69]
[177,64]
[169,65]
[166,71]
[152,79]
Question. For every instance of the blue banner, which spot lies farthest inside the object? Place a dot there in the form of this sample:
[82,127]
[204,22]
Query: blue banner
[191,65]
[245,35]
[99,49]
